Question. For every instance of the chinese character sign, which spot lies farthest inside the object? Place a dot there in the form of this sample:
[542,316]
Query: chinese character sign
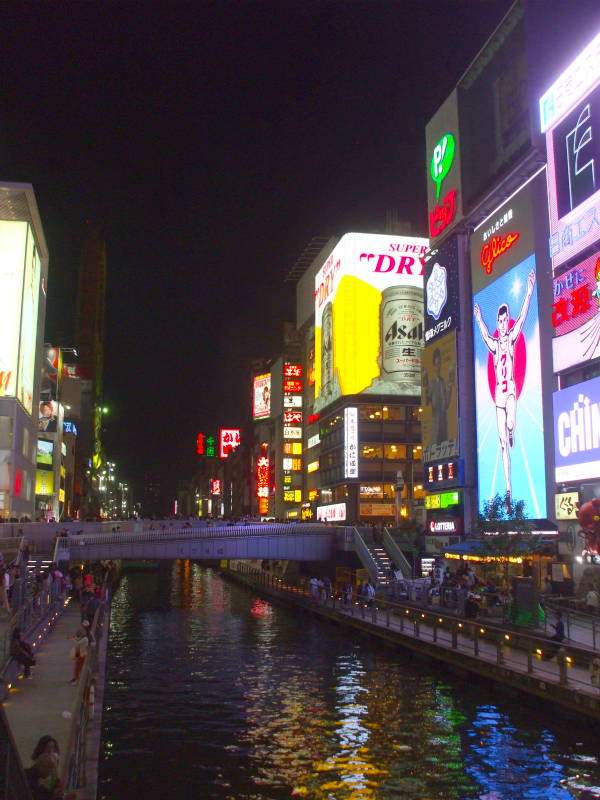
[292,371]
[229,439]
[576,314]
[351,442]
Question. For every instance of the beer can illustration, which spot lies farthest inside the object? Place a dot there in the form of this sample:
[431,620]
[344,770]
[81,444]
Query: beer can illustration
[327,349]
[401,331]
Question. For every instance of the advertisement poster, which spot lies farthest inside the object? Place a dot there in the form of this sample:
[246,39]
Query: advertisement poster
[439,419]
[508,390]
[44,452]
[369,317]
[27,349]
[52,372]
[48,416]
[44,482]
[441,291]
[576,314]
[261,405]
[13,238]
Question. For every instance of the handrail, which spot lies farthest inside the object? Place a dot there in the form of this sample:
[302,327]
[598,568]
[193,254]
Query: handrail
[73,767]
[396,554]
[365,555]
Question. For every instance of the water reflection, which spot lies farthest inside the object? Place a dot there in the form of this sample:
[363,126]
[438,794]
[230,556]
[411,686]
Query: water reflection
[216,693]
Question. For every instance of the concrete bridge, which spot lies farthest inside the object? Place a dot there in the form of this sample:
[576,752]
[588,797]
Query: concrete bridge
[292,541]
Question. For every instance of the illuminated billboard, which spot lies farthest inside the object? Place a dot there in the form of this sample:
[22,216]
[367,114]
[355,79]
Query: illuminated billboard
[570,116]
[48,416]
[229,439]
[577,431]
[29,316]
[44,482]
[13,244]
[439,420]
[508,389]
[576,314]
[261,394]
[369,317]
[351,442]
[441,290]
[51,373]
[336,512]
[444,190]
[44,452]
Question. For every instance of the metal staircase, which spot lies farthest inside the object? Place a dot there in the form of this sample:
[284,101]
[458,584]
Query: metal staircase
[373,557]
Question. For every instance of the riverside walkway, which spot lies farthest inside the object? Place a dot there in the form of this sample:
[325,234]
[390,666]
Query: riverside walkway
[508,656]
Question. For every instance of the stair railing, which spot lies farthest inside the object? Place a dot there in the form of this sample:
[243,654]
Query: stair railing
[396,554]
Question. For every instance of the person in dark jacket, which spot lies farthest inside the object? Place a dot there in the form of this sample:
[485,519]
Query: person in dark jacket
[22,652]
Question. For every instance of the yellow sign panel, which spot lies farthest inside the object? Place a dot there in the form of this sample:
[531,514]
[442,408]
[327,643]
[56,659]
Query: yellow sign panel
[44,482]
[565,505]
[61,495]
[377,509]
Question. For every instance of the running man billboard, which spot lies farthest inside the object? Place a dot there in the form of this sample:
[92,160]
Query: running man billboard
[508,389]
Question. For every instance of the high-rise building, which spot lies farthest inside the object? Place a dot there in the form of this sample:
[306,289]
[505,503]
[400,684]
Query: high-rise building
[23,281]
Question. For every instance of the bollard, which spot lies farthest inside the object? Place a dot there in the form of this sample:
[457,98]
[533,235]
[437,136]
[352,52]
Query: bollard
[562,668]
[499,651]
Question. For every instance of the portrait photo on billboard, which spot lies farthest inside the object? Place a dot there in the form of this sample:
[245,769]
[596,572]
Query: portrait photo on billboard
[261,394]
[576,314]
[50,373]
[48,416]
[508,390]
[369,317]
[439,418]
[441,290]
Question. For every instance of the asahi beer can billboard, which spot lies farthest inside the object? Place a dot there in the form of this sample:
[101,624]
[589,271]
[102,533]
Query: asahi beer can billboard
[369,317]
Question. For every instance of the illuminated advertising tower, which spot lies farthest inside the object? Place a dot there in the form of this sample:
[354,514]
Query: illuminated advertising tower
[23,281]
[89,340]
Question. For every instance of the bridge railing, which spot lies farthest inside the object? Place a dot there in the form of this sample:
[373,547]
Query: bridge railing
[472,637]
[204,532]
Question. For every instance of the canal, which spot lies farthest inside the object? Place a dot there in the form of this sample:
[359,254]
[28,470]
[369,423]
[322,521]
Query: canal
[214,692]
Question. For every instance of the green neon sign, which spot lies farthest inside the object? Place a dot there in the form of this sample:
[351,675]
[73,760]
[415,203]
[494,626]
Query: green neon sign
[441,161]
[442,500]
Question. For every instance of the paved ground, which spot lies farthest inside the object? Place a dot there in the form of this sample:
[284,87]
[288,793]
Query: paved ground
[37,707]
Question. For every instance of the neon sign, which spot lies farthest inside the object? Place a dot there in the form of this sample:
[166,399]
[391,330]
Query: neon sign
[200,444]
[441,161]
[229,439]
[292,371]
[292,385]
[497,246]
[442,216]
[215,486]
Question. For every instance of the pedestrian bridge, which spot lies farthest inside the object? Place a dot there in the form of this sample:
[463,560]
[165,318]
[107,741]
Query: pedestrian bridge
[292,541]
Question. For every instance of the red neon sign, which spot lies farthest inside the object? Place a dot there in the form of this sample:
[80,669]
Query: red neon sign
[291,385]
[200,444]
[229,439]
[215,486]
[313,418]
[292,371]
[442,216]
[497,246]
[262,477]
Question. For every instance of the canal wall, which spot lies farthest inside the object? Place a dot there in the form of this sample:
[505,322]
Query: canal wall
[558,683]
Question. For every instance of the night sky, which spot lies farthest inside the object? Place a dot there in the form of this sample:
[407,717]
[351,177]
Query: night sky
[211,141]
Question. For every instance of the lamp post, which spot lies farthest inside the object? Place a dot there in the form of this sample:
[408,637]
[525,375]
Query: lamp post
[399,490]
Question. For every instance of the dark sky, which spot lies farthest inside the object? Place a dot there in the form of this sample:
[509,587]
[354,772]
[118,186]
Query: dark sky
[211,141]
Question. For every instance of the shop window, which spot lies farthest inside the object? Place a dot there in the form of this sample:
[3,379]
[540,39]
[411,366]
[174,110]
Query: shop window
[417,453]
[394,413]
[392,452]
[370,412]
[340,494]
[371,451]
[418,491]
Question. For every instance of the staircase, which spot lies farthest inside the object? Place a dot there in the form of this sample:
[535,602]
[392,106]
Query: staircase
[374,558]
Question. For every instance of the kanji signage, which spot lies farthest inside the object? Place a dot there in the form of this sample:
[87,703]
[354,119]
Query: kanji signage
[229,439]
[292,385]
[215,486]
[292,371]
[351,442]
[576,314]
[210,448]
[200,444]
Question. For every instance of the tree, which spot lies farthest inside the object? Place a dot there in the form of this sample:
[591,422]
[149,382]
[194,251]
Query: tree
[505,529]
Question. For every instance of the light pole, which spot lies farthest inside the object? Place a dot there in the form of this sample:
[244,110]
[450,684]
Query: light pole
[398,498]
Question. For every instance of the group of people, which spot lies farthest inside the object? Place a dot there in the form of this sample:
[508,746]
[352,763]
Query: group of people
[320,588]
[43,776]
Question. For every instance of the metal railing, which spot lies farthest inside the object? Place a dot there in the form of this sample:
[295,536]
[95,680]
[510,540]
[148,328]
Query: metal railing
[396,554]
[524,653]
[73,770]
[365,555]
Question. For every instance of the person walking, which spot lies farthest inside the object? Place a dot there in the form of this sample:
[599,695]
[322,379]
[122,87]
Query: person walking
[78,653]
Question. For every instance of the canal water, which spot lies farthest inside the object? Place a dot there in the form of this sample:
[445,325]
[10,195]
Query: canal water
[214,692]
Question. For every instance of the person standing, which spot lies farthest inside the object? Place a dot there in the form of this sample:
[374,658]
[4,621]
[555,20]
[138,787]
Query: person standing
[22,652]
[78,653]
